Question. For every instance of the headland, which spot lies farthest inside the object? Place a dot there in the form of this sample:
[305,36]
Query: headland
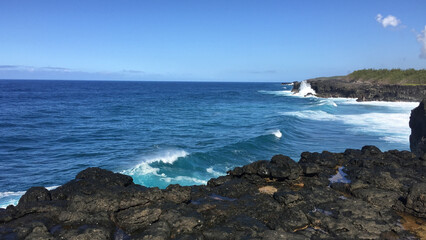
[372,85]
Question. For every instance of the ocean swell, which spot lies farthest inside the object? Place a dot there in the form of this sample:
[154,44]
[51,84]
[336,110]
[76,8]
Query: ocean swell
[393,127]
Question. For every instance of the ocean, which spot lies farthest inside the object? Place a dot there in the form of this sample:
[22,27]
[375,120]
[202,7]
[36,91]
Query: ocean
[162,133]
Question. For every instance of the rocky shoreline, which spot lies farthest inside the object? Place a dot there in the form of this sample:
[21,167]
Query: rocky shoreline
[357,194]
[364,91]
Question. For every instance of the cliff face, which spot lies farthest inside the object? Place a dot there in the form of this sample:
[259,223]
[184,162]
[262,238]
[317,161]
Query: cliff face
[418,130]
[365,91]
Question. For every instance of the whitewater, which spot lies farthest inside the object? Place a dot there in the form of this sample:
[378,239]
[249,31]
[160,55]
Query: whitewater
[163,133]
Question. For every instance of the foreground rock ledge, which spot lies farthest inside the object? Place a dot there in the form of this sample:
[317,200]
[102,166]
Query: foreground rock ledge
[382,197]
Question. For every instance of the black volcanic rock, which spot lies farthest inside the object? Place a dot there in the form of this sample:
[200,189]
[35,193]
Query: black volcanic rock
[34,194]
[104,177]
[263,200]
[280,167]
[416,200]
[418,130]
[364,91]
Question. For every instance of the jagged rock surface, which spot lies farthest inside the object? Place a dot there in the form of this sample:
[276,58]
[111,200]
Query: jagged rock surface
[277,199]
[418,130]
[365,91]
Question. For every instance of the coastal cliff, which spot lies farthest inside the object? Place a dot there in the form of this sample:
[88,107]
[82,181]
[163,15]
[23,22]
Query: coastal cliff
[372,85]
[327,88]
[418,130]
[358,194]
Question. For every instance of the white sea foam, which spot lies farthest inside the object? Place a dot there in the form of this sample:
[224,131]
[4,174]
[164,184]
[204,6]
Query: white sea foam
[213,172]
[277,93]
[186,179]
[11,194]
[277,133]
[167,156]
[305,89]
[327,102]
[399,105]
[314,115]
[394,125]
[8,202]
[395,139]
[339,177]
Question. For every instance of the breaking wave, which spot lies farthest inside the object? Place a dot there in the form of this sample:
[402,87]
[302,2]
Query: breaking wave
[394,125]
[166,156]
[277,133]
[305,89]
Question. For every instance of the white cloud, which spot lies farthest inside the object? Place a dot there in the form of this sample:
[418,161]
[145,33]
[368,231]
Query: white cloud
[421,38]
[388,21]
[379,18]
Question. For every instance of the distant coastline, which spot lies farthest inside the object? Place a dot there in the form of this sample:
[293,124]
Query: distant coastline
[372,85]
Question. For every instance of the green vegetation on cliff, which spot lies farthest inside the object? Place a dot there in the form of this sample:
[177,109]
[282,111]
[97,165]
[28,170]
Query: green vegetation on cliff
[393,76]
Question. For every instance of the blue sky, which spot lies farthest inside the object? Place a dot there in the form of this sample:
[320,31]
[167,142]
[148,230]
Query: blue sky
[207,40]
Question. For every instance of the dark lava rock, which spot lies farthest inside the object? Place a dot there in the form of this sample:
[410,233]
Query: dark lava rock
[289,199]
[364,91]
[416,200]
[418,130]
[276,199]
[283,167]
[34,194]
[137,218]
[105,177]
[280,167]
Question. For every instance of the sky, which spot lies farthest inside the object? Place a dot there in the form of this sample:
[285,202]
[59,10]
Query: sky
[199,40]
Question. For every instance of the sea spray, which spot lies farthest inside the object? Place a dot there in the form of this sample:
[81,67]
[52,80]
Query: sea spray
[305,89]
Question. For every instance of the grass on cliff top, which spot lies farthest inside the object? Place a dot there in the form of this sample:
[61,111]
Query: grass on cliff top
[392,76]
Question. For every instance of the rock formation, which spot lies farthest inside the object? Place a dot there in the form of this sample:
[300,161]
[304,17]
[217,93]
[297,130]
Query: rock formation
[365,91]
[418,130]
[277,199]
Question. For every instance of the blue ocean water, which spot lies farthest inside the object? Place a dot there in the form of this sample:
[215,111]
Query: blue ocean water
[173,132]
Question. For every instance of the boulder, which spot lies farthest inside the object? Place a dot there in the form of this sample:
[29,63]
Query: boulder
[416,200]
[280,167]
[34,194]
[104,177]
[418,130]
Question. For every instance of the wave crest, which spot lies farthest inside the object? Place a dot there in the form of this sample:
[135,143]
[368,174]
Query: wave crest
[277,133]
[166,156]
[395,125]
